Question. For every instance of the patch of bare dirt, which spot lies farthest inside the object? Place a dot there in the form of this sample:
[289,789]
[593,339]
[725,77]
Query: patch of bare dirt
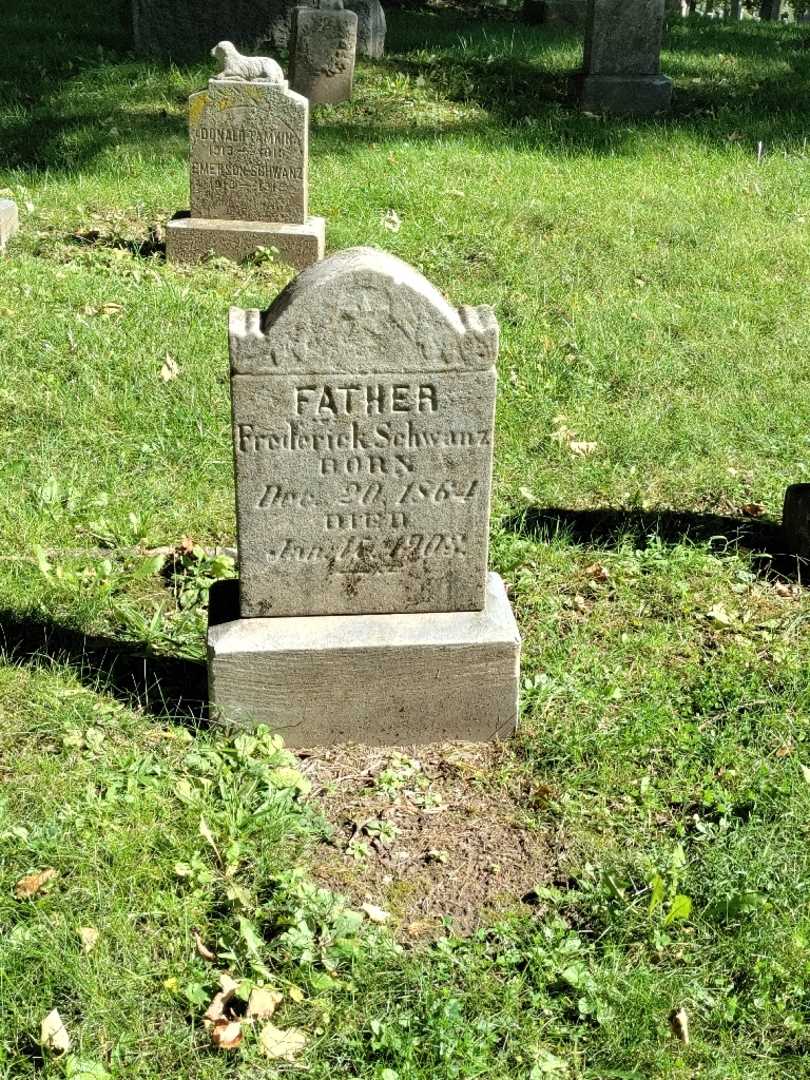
[429,833]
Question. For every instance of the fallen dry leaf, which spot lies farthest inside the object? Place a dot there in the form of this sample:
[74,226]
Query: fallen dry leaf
[170,369]
[562,434]
[216,1010]
[53,1033]
[718,614]
[111,309]
[262,1003]
[226,1034]
[88,936]
[582,449]
[806,774]
[282,1045]
[391,221]
[29,886]
[374,913]
[208,836]
[679,1024]
[597,572]
[753,510]
[785,591]
[201,948]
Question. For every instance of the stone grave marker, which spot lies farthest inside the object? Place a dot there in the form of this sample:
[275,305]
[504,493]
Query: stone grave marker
[796,520]
[249,173]
[9,221]
[622,67]
[183,30]
[324,42]
[371,27]
[363,412]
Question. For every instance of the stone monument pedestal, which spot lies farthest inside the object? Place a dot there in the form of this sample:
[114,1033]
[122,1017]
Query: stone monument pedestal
[631,95]
[373,679]
[189,239]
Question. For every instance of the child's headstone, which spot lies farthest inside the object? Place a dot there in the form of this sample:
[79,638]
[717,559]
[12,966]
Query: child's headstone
[249,161]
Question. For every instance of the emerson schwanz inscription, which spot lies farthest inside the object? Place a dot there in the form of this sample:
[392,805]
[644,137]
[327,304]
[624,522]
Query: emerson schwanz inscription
[363,408]
[248,153]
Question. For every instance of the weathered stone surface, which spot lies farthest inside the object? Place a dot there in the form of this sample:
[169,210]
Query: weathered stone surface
[375,679]
[628,95]
[249,152]
[185,29]
[556,12]
[363,410]
[324,41]
[621,71]
[796,519]
[624,38]
[370,27]
[190,239]
[9,221]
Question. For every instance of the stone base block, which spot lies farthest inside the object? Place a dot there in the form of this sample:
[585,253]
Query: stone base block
[623,95]
[383,680]
[796,520]
[190,239]
[9,221]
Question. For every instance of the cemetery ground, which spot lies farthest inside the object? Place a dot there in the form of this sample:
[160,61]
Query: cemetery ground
[637,860]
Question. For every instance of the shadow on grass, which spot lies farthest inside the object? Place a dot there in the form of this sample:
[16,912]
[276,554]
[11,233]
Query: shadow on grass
[70,92]
[610,528]
[145,247]
[161,685]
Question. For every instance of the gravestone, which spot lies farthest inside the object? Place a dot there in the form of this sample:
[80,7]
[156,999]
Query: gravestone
[249,175]
[622,67]
[9,221]
[323,44]
[796,520]
[556,12]
[183,30]
[371,27]
[363,412]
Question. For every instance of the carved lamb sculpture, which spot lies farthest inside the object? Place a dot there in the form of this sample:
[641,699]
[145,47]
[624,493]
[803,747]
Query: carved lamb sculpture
[238,68]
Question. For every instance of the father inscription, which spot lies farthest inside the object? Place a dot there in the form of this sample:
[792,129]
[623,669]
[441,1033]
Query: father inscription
[363,410]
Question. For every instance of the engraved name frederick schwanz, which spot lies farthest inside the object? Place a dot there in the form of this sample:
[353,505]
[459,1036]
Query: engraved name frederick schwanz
[381,479]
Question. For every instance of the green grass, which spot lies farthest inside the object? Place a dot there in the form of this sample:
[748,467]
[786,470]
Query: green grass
[651,281]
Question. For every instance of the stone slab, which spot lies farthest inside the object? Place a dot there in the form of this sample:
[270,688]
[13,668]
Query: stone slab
[9,221]
[249,152]
[622,95]
[185,30]
[371,27]
[570,13]
[796,520]
[623,37]
[363,413]
[190,239]
[324,41]
[374,679]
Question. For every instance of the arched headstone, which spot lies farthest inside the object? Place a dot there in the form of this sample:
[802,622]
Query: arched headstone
[363,413]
